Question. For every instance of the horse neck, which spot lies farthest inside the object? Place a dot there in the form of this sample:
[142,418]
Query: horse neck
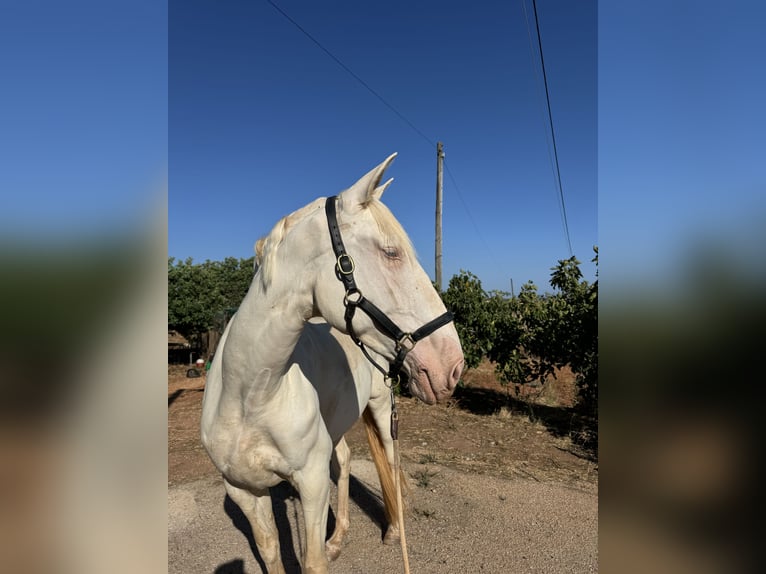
[264,333]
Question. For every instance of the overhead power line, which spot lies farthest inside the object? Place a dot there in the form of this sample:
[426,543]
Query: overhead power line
[550,121]
[352,74]
[470,218]
[389,106]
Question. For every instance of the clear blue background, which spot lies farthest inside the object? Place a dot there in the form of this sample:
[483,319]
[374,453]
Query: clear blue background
[262,121]
[681,148]
[83,117]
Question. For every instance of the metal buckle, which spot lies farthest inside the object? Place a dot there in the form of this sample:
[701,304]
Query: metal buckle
[349,268]
[400,344]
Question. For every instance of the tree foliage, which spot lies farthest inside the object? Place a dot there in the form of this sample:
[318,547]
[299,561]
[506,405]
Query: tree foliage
[529,336]
[473,317]
[201,296]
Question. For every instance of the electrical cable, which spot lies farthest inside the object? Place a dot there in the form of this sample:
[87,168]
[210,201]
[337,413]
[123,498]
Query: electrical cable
[553,132]
[389,106]
[352,74]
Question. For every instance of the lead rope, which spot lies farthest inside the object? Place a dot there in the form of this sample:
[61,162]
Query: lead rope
[398,482]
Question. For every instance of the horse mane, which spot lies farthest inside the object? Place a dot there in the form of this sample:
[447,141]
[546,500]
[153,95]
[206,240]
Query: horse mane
[265,252]
[266,247]
[258,253]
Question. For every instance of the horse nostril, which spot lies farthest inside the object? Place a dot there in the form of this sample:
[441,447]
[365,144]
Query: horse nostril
[456,372]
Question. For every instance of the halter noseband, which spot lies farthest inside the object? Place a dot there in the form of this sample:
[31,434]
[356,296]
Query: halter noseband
[344,270]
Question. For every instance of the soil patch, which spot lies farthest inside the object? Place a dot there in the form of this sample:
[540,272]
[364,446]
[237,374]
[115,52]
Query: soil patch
[498,481]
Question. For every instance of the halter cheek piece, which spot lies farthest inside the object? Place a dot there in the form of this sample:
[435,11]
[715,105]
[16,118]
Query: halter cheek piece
[353,299]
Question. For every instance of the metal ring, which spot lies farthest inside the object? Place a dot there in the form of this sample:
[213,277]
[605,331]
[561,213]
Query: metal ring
[400,344]
[347,297]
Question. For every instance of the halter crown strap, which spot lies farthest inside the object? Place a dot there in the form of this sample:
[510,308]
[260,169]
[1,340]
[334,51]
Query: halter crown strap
[344,271]
[344,265]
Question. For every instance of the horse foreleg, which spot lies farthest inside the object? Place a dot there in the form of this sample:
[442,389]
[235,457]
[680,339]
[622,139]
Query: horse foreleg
[256,506]
[343,458]
[313,484]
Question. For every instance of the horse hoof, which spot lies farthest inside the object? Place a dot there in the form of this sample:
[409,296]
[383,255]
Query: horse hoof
[332,552]
[392,536]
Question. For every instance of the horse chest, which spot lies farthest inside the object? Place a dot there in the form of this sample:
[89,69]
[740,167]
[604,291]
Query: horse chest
[255,462]
[259,452]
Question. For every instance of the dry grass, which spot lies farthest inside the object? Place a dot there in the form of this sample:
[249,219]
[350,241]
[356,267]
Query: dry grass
[483,430]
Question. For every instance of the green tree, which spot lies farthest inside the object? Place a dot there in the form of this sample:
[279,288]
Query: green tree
[191,297]
[202,296]
[231,279]
[474,323]
[520,329]
[531,335]
[544,332]
[579,329]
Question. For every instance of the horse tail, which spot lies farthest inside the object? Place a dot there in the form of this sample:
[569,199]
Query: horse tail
[385,473]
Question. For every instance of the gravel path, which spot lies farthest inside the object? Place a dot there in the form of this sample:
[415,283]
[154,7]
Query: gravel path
[458,523]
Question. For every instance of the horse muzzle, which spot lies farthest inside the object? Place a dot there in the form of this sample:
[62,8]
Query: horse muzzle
[434,373]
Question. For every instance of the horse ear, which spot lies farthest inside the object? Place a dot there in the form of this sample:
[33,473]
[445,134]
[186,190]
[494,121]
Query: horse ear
[381,188]
[368,187]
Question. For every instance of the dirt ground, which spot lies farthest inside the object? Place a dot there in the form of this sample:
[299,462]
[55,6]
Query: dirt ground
[500,480]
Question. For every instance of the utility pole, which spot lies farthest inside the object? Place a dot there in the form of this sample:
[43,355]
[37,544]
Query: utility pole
[439,165]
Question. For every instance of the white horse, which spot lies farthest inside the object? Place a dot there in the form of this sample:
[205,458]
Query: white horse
[350,389]
[361,380]
[262,417]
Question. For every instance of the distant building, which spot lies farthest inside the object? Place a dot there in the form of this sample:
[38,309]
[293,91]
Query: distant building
[180,350]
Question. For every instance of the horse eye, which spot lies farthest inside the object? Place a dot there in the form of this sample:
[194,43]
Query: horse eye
[391,252]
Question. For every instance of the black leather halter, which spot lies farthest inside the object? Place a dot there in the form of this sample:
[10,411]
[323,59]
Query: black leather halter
[344,270]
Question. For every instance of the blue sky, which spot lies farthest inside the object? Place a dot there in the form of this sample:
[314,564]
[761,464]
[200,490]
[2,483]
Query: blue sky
[83,121]
[249,119]
[681,137]
[262,121]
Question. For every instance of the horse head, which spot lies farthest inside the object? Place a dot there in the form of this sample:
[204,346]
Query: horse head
[298,263]
[387,275]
